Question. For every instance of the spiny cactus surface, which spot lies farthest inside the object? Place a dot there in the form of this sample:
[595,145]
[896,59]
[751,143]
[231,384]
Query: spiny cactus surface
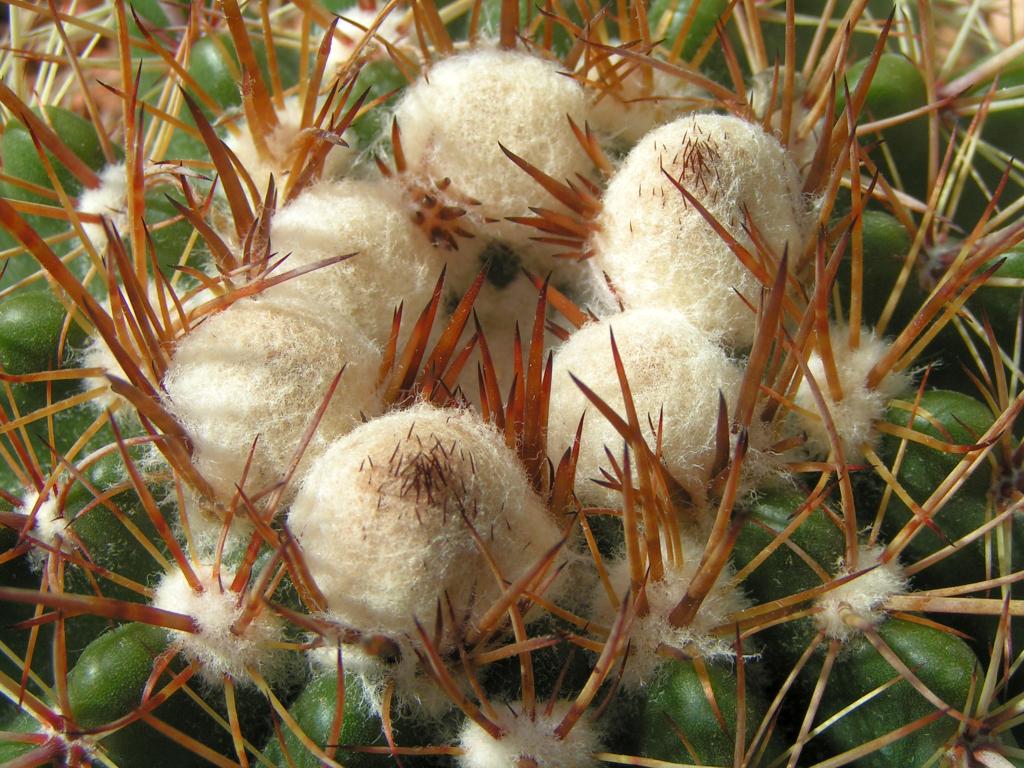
[499,384]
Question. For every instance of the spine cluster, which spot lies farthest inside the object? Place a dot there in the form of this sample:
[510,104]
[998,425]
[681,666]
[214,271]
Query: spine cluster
[487,385]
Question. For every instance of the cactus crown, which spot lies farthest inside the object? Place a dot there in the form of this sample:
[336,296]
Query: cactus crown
[490,384]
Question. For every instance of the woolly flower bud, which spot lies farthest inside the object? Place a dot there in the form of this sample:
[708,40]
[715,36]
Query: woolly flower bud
[764,99]
[276,159]
[98,353]
[452,124]
[844,610]
[108,199]
[411,688]
[500,311]
[633,106]
[653,629]
[221,644]
[855,414]
[530,741]
[384,520]
[659,250]
[673,368]
[393,259]
[262,368]
[208,530]
[507,299]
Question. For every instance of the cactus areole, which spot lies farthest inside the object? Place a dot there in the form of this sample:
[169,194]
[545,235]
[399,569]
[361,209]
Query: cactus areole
[503,384]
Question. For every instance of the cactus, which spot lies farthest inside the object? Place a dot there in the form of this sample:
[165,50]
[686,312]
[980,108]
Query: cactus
[496,384]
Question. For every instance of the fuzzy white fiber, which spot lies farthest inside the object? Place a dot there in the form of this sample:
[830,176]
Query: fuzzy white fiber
[382,520]
[50,526]
[652,630]
[416,693]
[108,199]
[987,756]
[862,598]
[280,147]
[764,96]
[499,309]
[263,368]
[453,119]
[218,649]
[856,413]
[659,250]
[633,106]
[394,260]
[97,353]
[530,741]
[206,523]
[671,364]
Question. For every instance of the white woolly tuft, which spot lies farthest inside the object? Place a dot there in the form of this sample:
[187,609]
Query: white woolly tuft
[844,609]
[652,630]
[415,693]
[530,741]
[381,518]
[987,756]
[98,354]
[50,526]
[499,308]
[631,109]
[262,368]
[281,144]
[394,260]
[452,124]
[659,250]
[215,610]
[109,200]
[855,414]
[206,523]
[671,364]
[764,97]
